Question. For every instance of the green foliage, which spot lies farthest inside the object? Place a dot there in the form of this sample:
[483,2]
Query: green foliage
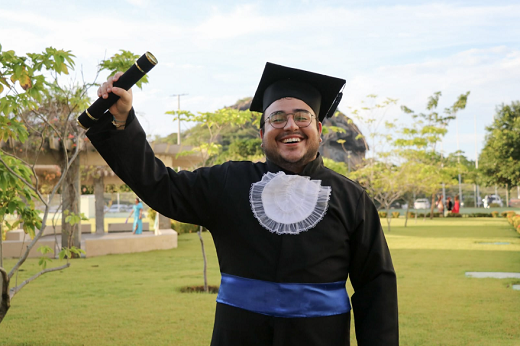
[494,214]
[120,62]
[382,214]
[70,252]
[245,149]
[395,214]
[151,214]
[338,167]
[500,158]
[207,134]
[181,227]
[16,198]
[73,218]
[454,215]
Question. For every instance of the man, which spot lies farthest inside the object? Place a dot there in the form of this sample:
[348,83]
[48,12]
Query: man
[288,232]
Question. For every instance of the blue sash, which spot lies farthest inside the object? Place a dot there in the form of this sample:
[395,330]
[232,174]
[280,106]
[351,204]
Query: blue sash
[284,299]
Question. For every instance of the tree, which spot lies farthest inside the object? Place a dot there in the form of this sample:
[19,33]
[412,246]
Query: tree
[24,86]
[418,146]
[500,158]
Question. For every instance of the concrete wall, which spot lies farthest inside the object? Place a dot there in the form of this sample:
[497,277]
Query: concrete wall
[15,248]
[129,243]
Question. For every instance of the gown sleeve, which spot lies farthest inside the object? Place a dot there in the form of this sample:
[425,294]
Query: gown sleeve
[184,196]
[373,278]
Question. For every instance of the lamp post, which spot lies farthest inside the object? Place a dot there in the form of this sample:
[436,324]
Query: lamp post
[477,192]
[179,117]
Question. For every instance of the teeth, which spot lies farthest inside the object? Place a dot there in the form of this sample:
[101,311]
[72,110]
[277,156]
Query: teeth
[291,140]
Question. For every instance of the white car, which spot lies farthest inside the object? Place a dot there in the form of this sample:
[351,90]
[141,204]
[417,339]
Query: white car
[492,199]
[421,203]
[118,208]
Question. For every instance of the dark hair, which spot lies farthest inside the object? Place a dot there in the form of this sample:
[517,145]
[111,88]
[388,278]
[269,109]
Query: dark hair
[137,200]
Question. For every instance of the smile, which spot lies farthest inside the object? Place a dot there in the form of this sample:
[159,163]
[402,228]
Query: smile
[291,140]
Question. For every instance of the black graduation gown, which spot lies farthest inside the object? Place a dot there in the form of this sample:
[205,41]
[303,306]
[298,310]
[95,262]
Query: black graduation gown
[348,241]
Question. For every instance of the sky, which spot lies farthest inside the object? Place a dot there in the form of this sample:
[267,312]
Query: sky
[215,52]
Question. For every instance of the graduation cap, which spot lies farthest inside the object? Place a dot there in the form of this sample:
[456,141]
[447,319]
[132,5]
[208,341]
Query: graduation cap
[321,93]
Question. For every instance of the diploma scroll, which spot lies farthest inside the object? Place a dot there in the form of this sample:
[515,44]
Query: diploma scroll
[142,66]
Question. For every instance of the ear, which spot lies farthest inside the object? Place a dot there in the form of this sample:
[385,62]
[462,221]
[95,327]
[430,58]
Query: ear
[261,134]
[320,128]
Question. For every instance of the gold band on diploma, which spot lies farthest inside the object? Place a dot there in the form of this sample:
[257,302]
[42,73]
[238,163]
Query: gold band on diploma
[90,116]
[140,69]
[151,58]
[80,124]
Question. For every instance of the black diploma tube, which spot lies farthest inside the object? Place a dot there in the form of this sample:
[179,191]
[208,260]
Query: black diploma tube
[142,66]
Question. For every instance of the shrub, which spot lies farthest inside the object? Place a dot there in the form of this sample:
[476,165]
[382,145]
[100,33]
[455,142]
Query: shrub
[494,205]
[435,214]
[151,214]
[382,214]
[396,214]
[503,214]
[411,214]
[485,214]
[181,227]
[454,215]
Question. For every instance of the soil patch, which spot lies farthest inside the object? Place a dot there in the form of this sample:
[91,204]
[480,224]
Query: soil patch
[199,289]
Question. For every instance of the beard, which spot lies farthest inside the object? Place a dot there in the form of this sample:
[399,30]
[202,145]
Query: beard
[295,165]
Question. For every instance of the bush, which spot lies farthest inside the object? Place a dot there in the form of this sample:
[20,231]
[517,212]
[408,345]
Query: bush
[454,215]
[435,214]
[494,205]
[151,215]
[382,214]
[411,214]
[181,227]
[485,214]
[503,214]
[395,214]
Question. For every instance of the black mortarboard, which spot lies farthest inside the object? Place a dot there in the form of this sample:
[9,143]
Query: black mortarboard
[321,93]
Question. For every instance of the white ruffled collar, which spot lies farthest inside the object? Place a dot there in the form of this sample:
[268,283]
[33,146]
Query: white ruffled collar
[288,204]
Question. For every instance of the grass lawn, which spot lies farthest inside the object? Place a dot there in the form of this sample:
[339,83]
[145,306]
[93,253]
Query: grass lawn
[136,300]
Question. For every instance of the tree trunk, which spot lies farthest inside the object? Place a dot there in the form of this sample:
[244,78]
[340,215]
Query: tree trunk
[99,205]
[433,206]
[507,195]
[406,213]
[5,303]
[388,216]
[1,242]
[70,195]
[205,262]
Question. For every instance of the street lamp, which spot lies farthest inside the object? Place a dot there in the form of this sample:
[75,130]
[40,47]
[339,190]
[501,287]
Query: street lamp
[178,117]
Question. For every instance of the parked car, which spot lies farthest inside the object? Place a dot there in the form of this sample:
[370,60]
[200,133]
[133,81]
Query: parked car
[119,208]
[421,203]
[492,199]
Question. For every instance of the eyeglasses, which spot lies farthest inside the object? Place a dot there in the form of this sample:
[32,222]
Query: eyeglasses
[279,119]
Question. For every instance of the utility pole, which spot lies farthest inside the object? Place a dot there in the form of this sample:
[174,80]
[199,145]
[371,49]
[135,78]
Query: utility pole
[458,159]
[178,116]
[477,192]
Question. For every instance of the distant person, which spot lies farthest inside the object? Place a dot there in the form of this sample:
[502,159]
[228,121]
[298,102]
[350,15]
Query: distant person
[449,204]
[137,210]
[456,206]
[440,206]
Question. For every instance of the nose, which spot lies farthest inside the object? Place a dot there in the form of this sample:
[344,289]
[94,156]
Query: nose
[291,124]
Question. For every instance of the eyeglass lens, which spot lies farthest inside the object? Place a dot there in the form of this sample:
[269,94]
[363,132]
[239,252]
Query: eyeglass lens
[301,118]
